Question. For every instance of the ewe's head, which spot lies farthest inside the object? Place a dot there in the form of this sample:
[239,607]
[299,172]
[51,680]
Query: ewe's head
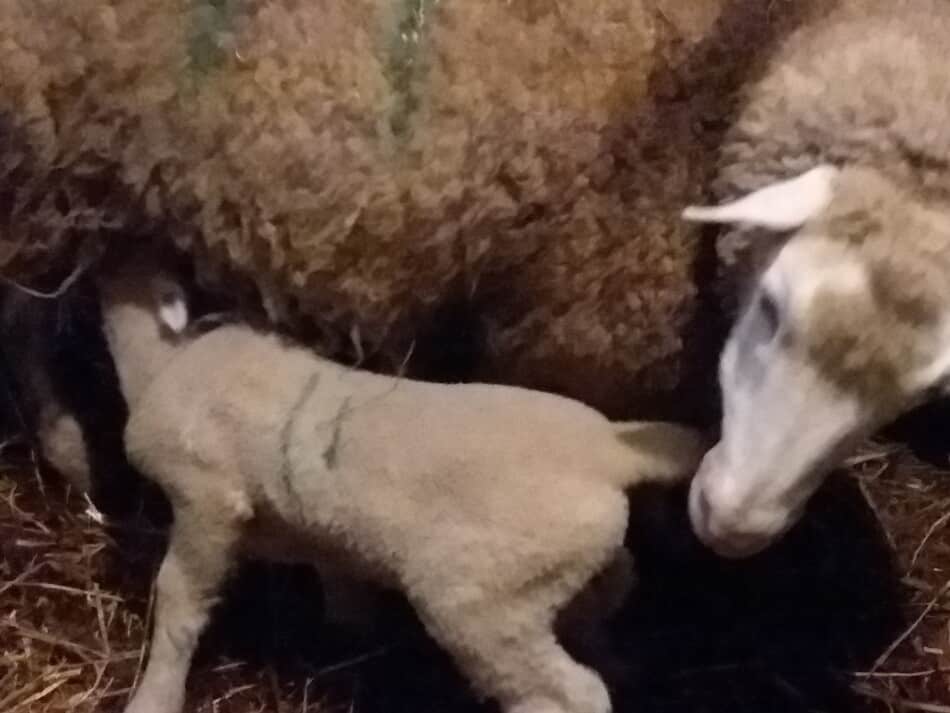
[846,328]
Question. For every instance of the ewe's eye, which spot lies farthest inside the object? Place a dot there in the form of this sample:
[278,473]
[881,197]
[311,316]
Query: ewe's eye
[769,309]
[765,318]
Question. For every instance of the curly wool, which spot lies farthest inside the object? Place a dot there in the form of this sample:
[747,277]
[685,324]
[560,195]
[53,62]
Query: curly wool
[861,89]
[368,165]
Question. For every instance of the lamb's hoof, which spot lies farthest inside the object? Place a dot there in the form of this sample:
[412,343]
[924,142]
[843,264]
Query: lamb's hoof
[536,705]
[149,700]
[588,694]
[142,705]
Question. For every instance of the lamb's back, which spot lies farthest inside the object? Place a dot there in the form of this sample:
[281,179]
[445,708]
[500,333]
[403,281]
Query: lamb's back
[475,447]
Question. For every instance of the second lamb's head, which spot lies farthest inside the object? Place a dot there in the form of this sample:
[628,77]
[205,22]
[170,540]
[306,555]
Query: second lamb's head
[847,327]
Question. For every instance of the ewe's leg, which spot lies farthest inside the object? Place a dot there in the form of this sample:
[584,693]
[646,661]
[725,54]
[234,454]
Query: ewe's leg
[506,646]
[200,552]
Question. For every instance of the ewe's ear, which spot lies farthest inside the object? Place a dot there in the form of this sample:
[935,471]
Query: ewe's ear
[171,303]
[785,205]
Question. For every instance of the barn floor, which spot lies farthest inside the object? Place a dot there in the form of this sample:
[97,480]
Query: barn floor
[850,613]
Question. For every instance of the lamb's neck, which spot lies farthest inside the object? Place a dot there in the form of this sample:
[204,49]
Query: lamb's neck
[139,347]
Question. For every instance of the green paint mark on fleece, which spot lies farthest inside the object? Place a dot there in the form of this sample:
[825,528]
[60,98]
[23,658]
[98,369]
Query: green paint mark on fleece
[403,65]
[209,35]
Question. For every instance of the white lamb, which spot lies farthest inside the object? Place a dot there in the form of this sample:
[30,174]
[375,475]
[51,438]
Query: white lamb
[491,508]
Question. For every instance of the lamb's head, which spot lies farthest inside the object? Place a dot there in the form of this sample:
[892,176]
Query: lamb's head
[144,313]
[847,327]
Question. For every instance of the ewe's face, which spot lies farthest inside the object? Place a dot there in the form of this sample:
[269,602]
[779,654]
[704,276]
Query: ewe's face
[833,344]
[785,419]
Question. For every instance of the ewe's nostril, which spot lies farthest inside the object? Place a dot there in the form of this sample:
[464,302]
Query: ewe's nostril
[723,524]
[699,512]
[704,510]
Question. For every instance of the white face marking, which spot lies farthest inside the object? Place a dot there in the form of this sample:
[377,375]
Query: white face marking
[784,424]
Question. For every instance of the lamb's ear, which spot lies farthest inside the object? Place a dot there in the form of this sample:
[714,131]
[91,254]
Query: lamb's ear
[171,303]
[784,205]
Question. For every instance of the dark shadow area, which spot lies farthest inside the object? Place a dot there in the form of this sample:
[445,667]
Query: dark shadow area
[779,632]
[450,344]
[926,431]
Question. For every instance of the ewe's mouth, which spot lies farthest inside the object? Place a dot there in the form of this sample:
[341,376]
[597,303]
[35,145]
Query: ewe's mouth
[733,544]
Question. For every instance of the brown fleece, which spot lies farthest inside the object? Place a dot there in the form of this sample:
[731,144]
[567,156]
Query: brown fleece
[365,164]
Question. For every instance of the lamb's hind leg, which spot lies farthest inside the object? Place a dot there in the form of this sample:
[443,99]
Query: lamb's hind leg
[507,647]
[200,551]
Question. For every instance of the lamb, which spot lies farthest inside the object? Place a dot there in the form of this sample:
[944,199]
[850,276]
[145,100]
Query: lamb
[843,151]
[505,175]
[490,507]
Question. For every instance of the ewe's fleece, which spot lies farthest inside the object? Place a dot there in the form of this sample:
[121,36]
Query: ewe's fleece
[864,90]
[371,166]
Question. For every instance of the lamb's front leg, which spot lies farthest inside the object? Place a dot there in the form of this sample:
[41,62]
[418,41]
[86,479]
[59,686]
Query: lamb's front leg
[200,552]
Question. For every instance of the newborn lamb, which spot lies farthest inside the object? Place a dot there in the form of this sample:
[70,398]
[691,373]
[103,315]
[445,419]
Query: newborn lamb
[491,508]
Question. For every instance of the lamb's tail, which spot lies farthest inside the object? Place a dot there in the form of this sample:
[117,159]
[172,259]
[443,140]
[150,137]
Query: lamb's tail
[662,452]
